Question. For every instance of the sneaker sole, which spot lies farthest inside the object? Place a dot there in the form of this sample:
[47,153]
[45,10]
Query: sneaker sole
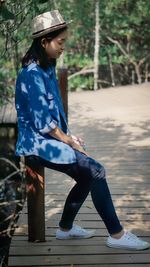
[128,248]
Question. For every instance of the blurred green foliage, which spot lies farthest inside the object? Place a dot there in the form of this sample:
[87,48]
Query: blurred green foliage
[124,40]
[81,83]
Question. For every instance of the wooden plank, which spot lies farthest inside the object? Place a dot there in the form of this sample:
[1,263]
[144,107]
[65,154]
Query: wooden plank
[98,231]
[129,194]
[112,184]
[89,204]
[99,227]
[135,192]
[61,196]
[89,209]
[69,250]
[95,224]
[91,224]
[104,155]
[53,215]
[52,239]
[84,259]
[118,203]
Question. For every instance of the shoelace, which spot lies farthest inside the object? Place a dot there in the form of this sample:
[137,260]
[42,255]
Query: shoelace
[78,229]
[133,237]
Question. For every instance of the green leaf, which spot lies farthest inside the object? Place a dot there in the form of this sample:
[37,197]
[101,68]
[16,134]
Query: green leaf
[5,13]
[42,1]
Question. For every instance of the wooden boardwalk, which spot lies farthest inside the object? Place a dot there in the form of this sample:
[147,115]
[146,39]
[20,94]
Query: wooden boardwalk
[115,125]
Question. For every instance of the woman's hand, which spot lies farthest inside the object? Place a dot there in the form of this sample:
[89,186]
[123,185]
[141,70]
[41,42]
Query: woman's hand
[78,144]
[74,142]
[78,147]
[78,140]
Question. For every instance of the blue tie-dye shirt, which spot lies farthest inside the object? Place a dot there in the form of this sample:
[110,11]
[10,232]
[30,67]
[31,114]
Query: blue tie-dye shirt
[39,110]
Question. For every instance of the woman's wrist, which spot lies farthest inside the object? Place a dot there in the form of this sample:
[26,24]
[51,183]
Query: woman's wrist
[70,140]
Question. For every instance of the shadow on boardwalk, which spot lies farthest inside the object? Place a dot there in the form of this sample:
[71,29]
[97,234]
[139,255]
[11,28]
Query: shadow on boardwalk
[115,127]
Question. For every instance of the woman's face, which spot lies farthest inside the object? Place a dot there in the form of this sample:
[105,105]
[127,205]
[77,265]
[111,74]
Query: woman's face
[55,47]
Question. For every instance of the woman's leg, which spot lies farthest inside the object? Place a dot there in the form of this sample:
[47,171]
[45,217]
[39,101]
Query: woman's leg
[90,176]
[73,203]
[103,203]
[76,196]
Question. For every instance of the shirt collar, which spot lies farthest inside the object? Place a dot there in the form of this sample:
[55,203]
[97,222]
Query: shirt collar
[50,70]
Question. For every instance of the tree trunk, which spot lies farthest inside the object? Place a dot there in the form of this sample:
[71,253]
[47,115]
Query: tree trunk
[133,77]
[61,60]
[97,45]
[146,72]
[138,74]
[16,57]
[111,70]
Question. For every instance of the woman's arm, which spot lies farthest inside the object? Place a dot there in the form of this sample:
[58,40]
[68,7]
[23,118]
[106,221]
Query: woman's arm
[61,136]
[40,113]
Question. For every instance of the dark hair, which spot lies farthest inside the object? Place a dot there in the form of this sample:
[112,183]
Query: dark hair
[36,52]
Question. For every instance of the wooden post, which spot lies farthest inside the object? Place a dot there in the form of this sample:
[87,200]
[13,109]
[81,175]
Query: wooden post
[35,202]
[63,84]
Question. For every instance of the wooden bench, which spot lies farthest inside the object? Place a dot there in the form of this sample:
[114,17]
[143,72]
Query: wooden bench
[35,174]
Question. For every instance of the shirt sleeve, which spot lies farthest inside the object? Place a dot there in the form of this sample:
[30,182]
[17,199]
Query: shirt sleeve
[38,103]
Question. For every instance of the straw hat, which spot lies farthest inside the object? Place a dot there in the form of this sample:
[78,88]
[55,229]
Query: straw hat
[47,22]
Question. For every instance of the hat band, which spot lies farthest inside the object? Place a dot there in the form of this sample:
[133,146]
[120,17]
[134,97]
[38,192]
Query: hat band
[50,29]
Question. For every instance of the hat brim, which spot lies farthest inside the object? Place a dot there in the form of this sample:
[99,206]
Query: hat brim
[51,29]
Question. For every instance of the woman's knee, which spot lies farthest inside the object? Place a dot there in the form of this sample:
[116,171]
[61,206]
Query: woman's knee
[102,172]
[89,169]
[97,170]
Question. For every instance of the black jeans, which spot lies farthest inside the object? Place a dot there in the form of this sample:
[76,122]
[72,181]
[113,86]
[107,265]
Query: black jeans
[90,177]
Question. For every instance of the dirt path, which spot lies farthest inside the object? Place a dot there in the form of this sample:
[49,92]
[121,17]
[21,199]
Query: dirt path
[127,107]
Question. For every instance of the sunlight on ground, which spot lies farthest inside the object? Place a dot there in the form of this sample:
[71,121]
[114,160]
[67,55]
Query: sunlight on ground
[140,143]
[52,212]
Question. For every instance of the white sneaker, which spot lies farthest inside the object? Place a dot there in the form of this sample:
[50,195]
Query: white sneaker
[76,232]
[127,241]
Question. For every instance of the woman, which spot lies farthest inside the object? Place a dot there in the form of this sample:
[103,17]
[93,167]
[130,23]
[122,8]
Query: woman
[44,136]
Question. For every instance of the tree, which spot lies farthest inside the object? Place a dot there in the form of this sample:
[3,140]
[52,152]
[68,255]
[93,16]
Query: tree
[97,45]
[121,52]
[15,37]
[130,33]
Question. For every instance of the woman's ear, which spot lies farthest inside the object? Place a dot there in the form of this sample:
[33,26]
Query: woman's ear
[43,42]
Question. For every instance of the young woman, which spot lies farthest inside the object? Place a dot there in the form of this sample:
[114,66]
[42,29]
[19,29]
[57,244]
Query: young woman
[44,137]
